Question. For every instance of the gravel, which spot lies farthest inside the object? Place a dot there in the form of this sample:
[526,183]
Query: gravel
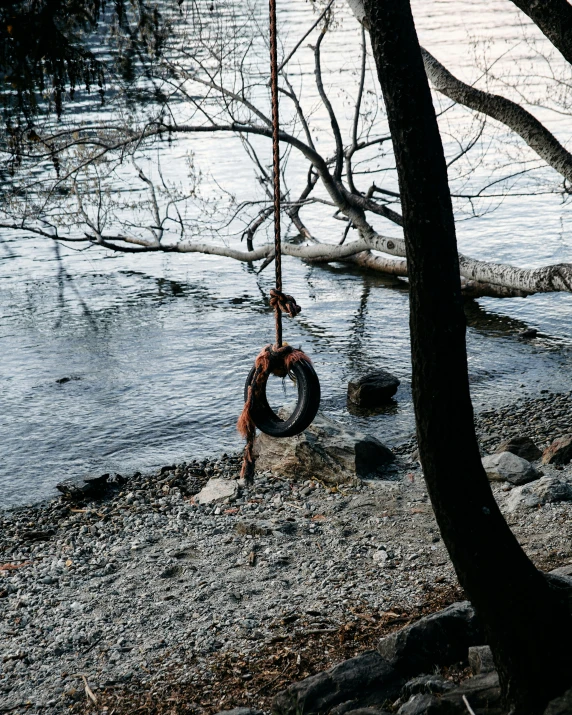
[145,585]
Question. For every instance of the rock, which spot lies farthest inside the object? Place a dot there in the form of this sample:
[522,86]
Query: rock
[506,466]
[482,693]
[367,676]
[559,452]
[93,488]
[373,389]
[528,333]
[428,684]
[481,659]
[522,446]
[240,711]
[442,638]
[561,705]
[543,491]
[563,571]
[326,449]
[420,704]
[217,490]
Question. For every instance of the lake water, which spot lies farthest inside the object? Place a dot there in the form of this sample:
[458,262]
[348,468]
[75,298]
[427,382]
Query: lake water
[157,347]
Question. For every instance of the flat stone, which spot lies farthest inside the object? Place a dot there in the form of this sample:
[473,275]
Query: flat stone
[481,659]
[543,491]
[506,466]
[373,389]
[522,446]
[559,452]
[427,684]
[327,450]
[217,490]
[367,677]
[441,638]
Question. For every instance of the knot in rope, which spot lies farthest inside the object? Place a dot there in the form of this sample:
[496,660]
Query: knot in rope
[283,302]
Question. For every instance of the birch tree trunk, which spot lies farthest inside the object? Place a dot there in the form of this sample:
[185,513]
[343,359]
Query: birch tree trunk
[528,628]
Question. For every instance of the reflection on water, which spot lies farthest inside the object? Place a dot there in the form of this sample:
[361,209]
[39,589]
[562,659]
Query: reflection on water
[157,348]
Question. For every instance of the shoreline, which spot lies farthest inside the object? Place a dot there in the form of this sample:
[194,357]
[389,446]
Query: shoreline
[151,596]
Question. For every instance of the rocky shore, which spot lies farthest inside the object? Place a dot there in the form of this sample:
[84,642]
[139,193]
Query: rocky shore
[141,595]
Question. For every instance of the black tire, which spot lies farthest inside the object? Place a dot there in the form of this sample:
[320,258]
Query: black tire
[306,408]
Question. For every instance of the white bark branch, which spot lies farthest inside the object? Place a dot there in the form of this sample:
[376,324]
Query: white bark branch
[512,115]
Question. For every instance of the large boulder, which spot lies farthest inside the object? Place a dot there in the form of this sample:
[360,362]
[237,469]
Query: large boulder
[543,491]
[559,452]
[506,466]
[373,389]
[442,638]
[326,450]
[522,446]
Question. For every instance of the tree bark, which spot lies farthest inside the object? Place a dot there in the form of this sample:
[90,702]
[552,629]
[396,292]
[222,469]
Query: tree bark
[523,123]
[554,19]
[528,628]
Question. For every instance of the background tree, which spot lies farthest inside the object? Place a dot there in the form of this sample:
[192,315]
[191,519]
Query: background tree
[527,623]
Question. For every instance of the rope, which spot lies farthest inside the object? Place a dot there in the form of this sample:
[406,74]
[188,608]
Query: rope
[274,359]
[276,166]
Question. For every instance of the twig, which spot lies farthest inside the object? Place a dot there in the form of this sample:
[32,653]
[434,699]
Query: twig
[88,691]
[285,62]
[469,708]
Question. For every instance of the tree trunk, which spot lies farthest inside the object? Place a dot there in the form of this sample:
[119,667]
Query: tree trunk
[554,18]
[528,628]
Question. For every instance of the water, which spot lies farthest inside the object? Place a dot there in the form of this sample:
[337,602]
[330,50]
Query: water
[157,347]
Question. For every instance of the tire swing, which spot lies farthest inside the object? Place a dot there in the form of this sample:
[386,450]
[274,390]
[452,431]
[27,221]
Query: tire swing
[279,359]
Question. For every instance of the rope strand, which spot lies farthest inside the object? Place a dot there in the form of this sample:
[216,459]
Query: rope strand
[276,164]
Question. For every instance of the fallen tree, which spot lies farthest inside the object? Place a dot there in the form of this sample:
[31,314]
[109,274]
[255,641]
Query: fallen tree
[78,208]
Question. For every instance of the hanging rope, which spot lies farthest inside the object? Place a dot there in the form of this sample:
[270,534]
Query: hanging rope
[276,359]
[276,171]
